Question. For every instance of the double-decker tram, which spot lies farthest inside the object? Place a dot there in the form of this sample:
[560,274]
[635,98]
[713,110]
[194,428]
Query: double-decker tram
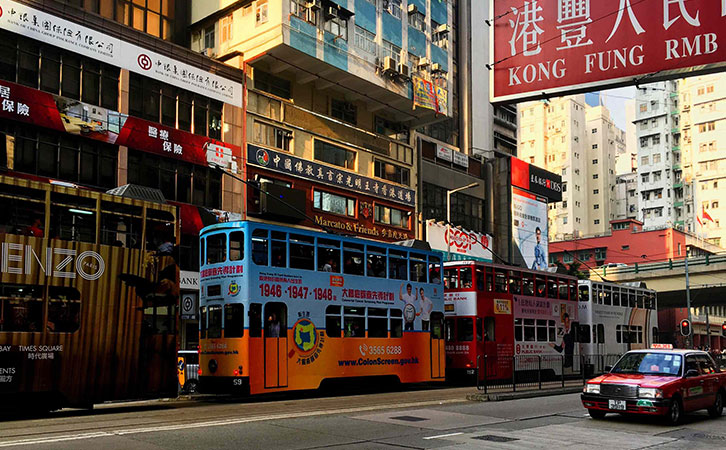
[501,319]
[88,295]
[616,318]
[284,308]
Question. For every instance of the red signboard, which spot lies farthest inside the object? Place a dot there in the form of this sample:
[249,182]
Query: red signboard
[543,47]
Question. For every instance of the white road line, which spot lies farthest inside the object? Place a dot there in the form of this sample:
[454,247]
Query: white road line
[215,423]
[442,436]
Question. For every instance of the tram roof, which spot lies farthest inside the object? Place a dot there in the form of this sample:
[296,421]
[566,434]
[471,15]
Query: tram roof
[506,267]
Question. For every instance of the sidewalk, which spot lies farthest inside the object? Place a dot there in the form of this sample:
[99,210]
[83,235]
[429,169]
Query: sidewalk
[501,393]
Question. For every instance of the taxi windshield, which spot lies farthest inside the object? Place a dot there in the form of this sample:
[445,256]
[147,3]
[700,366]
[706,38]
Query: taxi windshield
[663,364]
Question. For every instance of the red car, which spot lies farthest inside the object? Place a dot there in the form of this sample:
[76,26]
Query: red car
[663,382]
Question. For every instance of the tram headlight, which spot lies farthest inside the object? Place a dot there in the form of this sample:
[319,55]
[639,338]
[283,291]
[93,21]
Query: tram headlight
[592,388]
[650,393]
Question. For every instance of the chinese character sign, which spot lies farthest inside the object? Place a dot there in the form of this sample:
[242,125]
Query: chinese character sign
[545,47]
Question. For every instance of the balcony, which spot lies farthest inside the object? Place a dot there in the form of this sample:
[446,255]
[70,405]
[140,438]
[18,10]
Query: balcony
[678,185]
[678,204]
[676,148]
[677,166]
[676,130]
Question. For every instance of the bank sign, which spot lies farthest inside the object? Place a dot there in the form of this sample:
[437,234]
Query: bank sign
[545,47]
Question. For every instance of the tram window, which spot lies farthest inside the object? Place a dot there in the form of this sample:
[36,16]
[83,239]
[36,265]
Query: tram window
[584,293]
[216,248]
[451,278]
[22,210]
[64,309]
[354,322]
[377,322]
[259,246]
[616,297]
[640,300]
[573,290]
[376,264]
[518,330]
[397,265]
[515,282]
[479,277]
[328,255]
[489,324]
[396,323]
[302,252]
[529,330]
[279,253]
[542,334]
[562,289]
[234,320]
[437,325]
[527,284]
[332,321]
[479,329]
[203,322]
[120,230]
[631,299]
[255,317]
[465,329]
[585,334]
[236,245]
[202,257]
[600,333]
[72,224]
[353,259]
[434,269]
[540,286]
[551,288]
[21,308]
[500,281]
[214,327]
[552,330]
[450,329]
[607,295]
[159,228]
[465,277]
[418,267]
[649,301]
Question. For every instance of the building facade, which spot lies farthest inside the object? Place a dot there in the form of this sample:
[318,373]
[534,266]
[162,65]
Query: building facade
[110,107]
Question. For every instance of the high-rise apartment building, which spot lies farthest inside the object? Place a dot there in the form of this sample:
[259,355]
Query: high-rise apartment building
[567,137]
[660,175]
[703,124]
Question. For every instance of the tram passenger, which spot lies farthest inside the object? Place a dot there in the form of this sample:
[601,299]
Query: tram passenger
[273,326]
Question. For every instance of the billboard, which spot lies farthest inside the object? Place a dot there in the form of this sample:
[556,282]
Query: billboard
[545,47]
[539,181]
[460,244]
[529,228]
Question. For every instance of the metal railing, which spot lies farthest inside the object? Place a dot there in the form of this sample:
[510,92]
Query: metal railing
[512,372]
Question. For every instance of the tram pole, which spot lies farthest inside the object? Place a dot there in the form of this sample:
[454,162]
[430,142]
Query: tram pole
[689,338]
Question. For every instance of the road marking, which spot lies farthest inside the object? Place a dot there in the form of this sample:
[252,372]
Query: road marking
[214,423]
[442,436]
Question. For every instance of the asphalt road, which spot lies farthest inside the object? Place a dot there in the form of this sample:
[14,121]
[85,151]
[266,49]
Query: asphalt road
[414,418]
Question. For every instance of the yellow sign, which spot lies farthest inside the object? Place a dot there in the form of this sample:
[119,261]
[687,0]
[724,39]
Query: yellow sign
[181,365]
[502,307]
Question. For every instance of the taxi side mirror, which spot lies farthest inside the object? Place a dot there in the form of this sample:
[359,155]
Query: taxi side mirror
[607,369]
[691,373]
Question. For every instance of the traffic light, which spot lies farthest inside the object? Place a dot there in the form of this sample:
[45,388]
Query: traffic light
[723,329]
[686,327]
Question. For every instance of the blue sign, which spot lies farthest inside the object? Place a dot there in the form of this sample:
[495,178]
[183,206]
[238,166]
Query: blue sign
[309,170]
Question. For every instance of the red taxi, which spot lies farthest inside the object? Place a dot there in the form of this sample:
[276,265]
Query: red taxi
[660,381]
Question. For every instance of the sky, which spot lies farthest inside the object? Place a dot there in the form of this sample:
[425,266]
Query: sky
[615,100]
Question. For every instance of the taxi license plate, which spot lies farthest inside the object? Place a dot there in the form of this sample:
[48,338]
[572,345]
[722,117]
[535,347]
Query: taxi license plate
[617,405]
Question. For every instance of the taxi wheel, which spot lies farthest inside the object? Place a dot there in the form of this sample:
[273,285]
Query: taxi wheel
[596,414]
[717,409]
[675,412]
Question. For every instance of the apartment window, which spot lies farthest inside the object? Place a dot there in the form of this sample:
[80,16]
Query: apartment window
[337,26]
[261,12]
[332,203]
[298,8]
[225,26]
[644,160]
[596,206]
[343,110]
[594,146]
[594,161]
[597,221]
[656,158]
[594,130]
[417,20]
[656,139]
[596,191]
[209,37]
[365,40]
[155,17]
[656,176]
[392,172]
[643,142]
[332,154]
[271,84]
[392,7]
[272,136]
[714,205]
[564,220]
[391,216]
[709,89]
[595,176]
[392,51]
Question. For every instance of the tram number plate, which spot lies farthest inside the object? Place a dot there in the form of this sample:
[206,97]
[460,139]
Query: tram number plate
[617,405]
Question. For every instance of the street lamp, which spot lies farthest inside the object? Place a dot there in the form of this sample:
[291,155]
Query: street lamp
[448,211]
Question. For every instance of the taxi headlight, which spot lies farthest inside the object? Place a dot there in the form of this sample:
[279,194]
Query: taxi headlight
[650,393]
[592,388]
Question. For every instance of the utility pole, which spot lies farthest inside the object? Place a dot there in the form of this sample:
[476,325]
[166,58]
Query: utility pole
[708,329]
[689,339]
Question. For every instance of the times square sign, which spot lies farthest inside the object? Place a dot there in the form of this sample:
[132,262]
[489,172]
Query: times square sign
[545,47]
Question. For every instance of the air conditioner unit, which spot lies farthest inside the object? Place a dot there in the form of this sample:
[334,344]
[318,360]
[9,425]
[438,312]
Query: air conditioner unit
[412,9]
[209,53]
[314,5]
[423,62]
[331,12]
[389,65]
[436,67]
[404,70]
[443,28]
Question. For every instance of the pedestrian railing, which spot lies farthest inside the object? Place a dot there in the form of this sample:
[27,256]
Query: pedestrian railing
[513,372]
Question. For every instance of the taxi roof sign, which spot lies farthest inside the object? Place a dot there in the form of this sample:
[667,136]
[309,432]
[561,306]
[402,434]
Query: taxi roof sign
[662,346]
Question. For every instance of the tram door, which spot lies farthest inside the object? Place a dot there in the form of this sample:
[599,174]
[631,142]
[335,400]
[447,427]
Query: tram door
[438,353]
[275,345]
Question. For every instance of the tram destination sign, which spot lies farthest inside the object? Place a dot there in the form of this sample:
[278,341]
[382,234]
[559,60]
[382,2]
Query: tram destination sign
[545,47]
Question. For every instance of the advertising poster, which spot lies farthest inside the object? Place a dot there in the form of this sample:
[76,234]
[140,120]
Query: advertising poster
[529,228]
[459,243]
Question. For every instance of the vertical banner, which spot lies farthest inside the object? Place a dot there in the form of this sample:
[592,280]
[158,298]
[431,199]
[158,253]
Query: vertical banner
[424,95]
[529,228]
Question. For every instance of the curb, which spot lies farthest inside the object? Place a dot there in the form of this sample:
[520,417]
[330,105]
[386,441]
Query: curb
[522,395]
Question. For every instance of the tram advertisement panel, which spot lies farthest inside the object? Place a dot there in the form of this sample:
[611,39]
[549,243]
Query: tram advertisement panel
[544,326]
